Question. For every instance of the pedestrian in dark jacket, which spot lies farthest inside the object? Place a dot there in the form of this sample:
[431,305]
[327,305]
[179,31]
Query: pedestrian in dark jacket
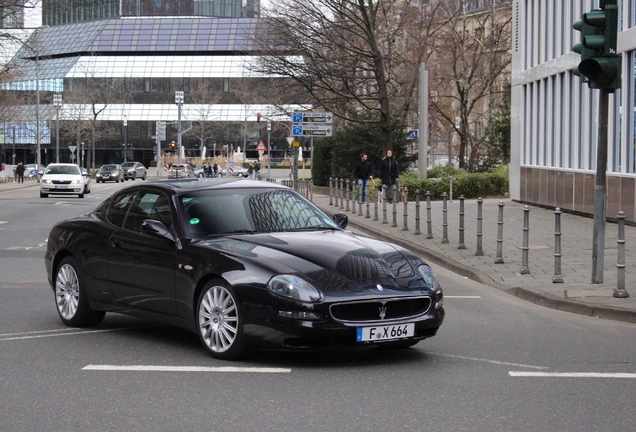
[19,173]
[389,174]
[364,173]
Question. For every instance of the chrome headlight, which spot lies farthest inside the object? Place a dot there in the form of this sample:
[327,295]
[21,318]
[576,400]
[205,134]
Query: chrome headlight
[293,287]
[47,181]
[427,274]
[77,182]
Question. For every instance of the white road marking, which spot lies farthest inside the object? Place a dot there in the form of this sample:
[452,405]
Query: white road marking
[185,369]
[572,374]
[1,222]
[70,332]
[461,297]
[490,361]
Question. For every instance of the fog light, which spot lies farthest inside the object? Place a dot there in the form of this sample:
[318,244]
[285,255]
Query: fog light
[439,305]
[300,315]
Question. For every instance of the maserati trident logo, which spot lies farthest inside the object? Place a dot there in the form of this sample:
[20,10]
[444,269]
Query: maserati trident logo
[379,287]
[382,311]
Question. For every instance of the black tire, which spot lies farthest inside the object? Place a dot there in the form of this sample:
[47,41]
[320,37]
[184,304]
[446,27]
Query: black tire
[80,195]
[134,177]
[43,195]
[71,301]
[143,177]
[219,322]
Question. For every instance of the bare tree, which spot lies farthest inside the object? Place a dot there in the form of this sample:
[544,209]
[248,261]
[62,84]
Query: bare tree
[471,68]
[88,98]
[358,59]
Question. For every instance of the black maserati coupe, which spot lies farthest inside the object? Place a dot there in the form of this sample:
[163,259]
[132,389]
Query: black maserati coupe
[244,264]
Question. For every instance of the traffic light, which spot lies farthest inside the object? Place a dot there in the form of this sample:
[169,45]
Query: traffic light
[600,65]
[289,150]
[258,118]
[173,145]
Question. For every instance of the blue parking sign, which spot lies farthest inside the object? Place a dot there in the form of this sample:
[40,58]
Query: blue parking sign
[297,117]
[297,130]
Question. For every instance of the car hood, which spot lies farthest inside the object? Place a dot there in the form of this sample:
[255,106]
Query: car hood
[62,177]
[337,262]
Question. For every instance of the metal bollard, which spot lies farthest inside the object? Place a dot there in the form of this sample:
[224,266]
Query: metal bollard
[384,195]
[405,196]
[429,222]
[499,259]
[480,217]
[330,191]
[620,291]
[341,193]
[444,218]
[375,205]
[396,197]
[367,193]
[526,236]
[311,190]
[460,244]
[360,198]
[557,277]
[347,195]
[417,213]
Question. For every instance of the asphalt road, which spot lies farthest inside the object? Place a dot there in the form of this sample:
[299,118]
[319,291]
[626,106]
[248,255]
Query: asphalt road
[497,364]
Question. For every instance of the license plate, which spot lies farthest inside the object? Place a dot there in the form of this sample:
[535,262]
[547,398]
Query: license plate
[383,333]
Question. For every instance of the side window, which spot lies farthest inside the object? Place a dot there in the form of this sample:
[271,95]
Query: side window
[148,205]
[119,208]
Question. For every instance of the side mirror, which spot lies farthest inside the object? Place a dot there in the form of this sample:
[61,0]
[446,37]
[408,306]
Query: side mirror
[156,229]
[341,219]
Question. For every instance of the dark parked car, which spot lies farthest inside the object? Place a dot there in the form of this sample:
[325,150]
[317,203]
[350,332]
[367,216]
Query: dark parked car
[244,264]
[110,172]
[134,170]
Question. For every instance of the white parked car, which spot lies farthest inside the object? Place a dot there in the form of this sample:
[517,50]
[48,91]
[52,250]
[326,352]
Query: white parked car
[63,179]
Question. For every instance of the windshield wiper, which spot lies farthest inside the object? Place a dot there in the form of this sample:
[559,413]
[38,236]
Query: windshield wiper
[241,231]
[314,228]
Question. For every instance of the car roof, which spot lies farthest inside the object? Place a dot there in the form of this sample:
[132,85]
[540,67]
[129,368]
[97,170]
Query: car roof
[195,184]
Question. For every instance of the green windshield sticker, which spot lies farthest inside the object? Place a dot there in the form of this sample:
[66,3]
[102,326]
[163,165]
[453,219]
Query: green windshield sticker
[194,221]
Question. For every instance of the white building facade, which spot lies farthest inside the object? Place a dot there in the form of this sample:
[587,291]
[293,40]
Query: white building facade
[555,115]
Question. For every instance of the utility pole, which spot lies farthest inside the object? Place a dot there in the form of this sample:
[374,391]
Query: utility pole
[179,100]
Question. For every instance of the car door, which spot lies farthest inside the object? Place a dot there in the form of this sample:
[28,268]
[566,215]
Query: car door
[141,267]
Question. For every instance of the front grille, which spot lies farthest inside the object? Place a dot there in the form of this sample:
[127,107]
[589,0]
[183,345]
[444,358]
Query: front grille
[61,181]
[381,310]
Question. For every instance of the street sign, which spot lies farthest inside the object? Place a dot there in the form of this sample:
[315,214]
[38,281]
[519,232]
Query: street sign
[261,146]
[312,130]
[312,117]
[161,130]
[72,148]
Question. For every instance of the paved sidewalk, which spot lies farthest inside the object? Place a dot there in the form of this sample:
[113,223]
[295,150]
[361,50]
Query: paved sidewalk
[576,294]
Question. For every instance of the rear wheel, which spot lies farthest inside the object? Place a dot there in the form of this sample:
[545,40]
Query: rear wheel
[70,296]
[220,322]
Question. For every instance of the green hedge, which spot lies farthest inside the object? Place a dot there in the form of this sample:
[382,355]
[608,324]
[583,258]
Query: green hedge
[473,185]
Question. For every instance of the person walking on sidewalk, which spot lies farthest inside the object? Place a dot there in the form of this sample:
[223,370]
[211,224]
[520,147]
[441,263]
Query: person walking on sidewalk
[389,174]
[364,173]
[19,173]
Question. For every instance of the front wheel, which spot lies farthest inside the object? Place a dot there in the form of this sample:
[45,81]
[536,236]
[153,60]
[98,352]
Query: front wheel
[70,296]
[143,177]
[43,195]
[220,322]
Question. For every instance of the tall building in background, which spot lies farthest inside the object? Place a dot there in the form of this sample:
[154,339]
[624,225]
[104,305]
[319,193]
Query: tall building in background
[555,115]
[119,65]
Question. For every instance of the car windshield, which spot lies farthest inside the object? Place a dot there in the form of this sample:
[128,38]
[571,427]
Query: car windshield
[65,169]
[108,168]
[227,211]
[128,165]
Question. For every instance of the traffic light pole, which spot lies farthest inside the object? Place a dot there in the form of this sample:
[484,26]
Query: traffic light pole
[600,190]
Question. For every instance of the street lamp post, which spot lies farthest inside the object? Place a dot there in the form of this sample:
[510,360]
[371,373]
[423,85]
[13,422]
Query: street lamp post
[125,138]
[82,153]
[57,103]
[433,131]
[179,101]
[38,158]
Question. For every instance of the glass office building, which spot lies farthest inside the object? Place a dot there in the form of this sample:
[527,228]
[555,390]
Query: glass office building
[181,47]
[555,115]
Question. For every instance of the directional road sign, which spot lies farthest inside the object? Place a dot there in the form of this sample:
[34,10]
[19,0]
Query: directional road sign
[312,130]
[312,117]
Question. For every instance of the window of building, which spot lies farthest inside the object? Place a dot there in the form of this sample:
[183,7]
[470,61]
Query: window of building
[226,85]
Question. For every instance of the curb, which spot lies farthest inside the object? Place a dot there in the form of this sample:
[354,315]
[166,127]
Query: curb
[538,298]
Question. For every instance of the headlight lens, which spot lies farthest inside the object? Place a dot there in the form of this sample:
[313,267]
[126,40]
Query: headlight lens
[427,274]
[295,288]
[77,182]
[47,181]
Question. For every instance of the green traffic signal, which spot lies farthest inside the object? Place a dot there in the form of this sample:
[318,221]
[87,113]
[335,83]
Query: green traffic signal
[600,65]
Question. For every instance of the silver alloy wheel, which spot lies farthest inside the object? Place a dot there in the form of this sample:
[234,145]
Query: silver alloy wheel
[67,291]
[218,319]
